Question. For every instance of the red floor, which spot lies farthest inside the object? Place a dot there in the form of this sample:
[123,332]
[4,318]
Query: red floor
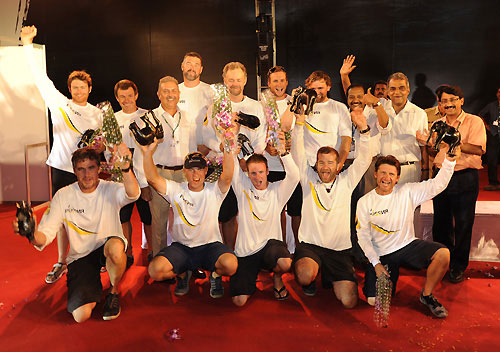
[33,315]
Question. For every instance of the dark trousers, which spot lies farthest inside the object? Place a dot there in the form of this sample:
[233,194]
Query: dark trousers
[492,151]
[454,213]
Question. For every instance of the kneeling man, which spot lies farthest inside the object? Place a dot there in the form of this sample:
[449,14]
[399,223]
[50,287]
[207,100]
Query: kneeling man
[89,211]
[197,242]
[259,242]
[386,233]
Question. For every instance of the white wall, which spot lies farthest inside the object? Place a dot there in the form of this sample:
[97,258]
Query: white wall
[23,120]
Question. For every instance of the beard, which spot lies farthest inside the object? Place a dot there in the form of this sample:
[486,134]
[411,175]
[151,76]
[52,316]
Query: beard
[190,75]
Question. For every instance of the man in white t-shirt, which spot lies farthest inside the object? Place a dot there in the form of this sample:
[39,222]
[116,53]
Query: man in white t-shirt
[386,233]
[197,242]
[88,209]
[259,242]
[324,232]
[126,94]
[195,95]
[235,79]
[70,119]
[277,82]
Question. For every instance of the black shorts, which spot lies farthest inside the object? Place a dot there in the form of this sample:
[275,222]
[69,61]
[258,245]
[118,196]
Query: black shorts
[60,179]
[142,208]
[294,204]
[334,265]
[415,255]
[185,258]
[229,207]
[84,279]
[243,281]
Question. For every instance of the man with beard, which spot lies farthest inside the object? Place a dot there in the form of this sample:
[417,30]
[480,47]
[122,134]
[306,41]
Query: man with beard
[168,157]
[195,94]
[70,119]
[277,81]
[455,207]
[324,233]
[235,79]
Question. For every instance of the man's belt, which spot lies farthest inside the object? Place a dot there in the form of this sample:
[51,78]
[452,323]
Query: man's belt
[173,168]
[408,163]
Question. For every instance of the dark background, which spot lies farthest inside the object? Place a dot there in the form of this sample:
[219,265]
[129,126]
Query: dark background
[455,42]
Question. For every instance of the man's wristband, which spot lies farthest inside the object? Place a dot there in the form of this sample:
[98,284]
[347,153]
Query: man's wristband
[367,129]
[376,104]
[284,154]
[126,170]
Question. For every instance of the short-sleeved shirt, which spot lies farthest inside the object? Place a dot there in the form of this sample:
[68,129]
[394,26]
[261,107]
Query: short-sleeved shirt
[195,213]
[472,131]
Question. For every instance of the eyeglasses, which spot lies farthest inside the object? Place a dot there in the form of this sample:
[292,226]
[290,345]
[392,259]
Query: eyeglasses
[451,100]
[276,69]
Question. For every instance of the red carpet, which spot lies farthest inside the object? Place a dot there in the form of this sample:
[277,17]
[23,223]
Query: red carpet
[33,315]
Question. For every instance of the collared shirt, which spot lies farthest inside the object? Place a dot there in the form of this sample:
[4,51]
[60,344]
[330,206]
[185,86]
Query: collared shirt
[399,137]
[433,114]
[177,141]
[472,131]
[491,115]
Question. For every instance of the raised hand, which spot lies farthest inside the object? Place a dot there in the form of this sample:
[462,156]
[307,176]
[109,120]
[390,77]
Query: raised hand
[369,98]
[27,35]
[359,119]
[347,66]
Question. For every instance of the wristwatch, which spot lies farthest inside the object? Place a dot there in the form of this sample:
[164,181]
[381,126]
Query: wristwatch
[126,170]
[367,129]
[375,105]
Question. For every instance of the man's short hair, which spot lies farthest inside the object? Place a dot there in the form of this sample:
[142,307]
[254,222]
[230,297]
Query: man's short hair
[439,90]
[379,82]
[167,79]
[82,76]
[354,85]
[125,84]
[234,65]
[389,160]
[399,76]
[193,54]
[85,153]
[257,158]
[275,69]
[318,76]
[448,89]
[327,150]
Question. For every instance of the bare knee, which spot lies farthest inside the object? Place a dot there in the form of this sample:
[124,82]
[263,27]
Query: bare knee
[347,293]
[305,272]
[160,269]
[114,250]
[349,301]
[240,301]
[283,265]
[83,313]
[442,256]
[227,264]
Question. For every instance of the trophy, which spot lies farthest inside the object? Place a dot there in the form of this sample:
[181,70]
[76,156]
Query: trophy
[445,133]
[250,121]
[246,146]
[25,220]
[382,300]
[273,120]
[302,96]
[146,135]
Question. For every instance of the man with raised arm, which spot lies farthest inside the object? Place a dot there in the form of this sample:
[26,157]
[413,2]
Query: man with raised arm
[259,242]
[197,241]
[126,93]
[386,233]
[88,209]
[325,231]
[70,119]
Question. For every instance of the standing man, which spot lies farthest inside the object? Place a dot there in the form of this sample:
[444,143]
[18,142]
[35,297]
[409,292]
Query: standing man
[491,117]
[455,207]
[379,88]
[259,242]
[325,231]
[126,94]
[195,233]
[235,79]
[177,142]
[88,210]
[195,95]
[386,232]
[277,81]
[70,119]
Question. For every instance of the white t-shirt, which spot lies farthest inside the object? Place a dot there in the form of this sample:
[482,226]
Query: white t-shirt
[195,102]
[386,221]
[124,121]
[326,220]
[399,137]
[274,162]
[69,120]
[259,211]
[257,136]
[195,213]
[328,122]
[89,218]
